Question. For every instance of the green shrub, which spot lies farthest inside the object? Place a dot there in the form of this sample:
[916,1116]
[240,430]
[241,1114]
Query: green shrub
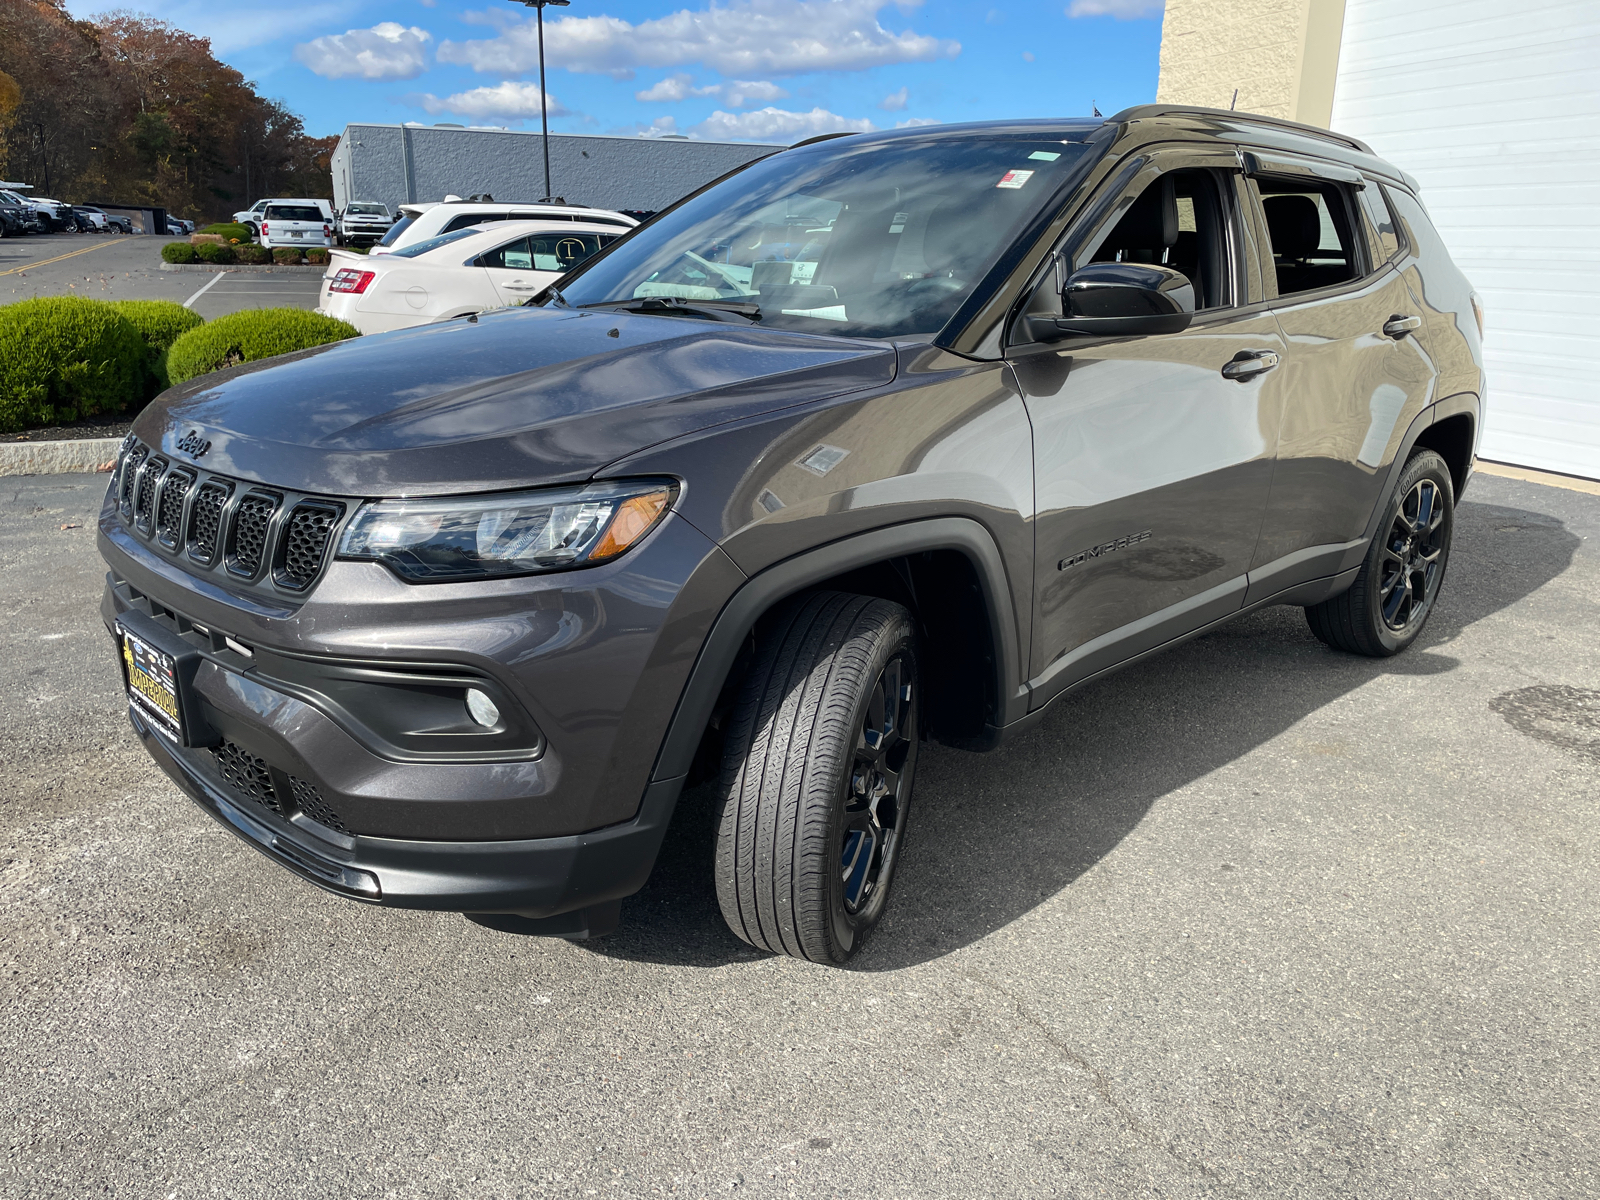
[65,357]
[212,253]
[229,231]
[317,256]
[285,256]
[177,252]
[160,323]
[355,249]
[253,254]
[250,335]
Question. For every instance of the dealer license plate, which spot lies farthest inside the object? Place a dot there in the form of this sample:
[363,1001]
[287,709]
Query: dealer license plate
[152,684]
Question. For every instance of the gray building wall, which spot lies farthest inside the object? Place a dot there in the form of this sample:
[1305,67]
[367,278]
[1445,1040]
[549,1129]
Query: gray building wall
[399,163]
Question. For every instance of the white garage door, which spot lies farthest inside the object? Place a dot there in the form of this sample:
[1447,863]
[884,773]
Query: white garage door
[1495,108]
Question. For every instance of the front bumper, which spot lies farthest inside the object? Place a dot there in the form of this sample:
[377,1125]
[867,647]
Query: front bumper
[538,877]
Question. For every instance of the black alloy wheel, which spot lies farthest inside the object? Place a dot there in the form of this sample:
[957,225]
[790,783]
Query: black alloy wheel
[1413,558]
[818,766]
[1398,583]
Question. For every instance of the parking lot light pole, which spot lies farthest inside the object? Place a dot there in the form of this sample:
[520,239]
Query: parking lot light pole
[544,115]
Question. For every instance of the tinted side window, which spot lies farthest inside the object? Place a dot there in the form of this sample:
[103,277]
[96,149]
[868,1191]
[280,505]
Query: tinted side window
[466,219]
[562,252]
[1313,243]
[293,212]
[513,256]
[1179,221]
[1386,244]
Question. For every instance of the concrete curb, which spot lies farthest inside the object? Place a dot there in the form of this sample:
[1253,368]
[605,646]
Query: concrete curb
[84,455]
[245,268]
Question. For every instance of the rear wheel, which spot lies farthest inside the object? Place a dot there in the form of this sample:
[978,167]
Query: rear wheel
[817,776]
[1384,611]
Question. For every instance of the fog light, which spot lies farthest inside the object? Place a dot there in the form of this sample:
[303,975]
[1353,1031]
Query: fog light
[482,709]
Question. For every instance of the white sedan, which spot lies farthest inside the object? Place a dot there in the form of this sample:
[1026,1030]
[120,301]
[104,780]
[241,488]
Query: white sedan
[465,271]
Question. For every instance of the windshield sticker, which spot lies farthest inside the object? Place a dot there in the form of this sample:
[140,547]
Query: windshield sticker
[1045,155]
[1014,179]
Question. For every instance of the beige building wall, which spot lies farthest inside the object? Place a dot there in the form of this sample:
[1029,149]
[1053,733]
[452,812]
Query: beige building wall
[1281,55]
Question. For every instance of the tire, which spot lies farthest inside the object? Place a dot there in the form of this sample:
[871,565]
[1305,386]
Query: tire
[817,774]
[1387,606]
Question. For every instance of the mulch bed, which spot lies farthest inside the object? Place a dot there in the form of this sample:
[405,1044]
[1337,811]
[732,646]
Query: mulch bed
[89,427]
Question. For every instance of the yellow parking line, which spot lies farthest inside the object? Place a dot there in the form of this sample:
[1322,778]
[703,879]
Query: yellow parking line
[45,262]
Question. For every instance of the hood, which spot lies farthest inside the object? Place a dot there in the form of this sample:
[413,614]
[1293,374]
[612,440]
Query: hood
[521,397]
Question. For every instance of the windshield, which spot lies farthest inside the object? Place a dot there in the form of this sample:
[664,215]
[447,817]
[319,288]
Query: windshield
[367,210]
[433,243]
[867,238]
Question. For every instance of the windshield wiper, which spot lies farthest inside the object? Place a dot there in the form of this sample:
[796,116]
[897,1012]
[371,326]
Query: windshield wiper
[714,309]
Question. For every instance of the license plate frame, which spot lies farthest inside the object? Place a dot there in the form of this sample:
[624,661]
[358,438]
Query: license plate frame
[150,676]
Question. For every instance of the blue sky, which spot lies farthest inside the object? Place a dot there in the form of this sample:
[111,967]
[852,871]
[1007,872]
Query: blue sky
[740,70]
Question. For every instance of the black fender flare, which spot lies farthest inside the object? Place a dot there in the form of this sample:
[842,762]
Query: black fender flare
[1439,410]
[781,580]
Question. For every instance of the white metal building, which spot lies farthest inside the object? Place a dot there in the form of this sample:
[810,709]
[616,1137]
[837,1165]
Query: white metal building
[1495,108]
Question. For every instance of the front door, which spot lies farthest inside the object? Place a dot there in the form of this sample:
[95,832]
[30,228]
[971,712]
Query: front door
[1152,466]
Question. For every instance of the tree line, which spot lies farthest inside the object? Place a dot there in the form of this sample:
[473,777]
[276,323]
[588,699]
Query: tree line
[128,109]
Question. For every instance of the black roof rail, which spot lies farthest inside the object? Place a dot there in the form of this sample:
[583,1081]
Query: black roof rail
[823,137]
[1142,111]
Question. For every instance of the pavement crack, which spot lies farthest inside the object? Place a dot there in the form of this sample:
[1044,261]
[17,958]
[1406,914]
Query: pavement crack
[1102,1085]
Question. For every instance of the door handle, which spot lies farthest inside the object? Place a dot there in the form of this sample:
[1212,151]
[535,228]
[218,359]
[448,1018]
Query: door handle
[520,287]
[1397,326]
[1247,364]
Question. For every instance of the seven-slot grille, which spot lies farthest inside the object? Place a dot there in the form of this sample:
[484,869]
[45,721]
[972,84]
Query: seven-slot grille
[270,540]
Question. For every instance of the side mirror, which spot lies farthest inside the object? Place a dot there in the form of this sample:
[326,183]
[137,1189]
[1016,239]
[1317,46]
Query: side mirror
[1119,300]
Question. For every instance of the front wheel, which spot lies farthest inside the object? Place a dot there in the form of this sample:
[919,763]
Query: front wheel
[1385,609]
[817,776]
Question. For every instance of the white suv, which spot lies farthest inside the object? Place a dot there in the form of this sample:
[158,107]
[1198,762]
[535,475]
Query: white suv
[252,215]
[419,222]
[295,223]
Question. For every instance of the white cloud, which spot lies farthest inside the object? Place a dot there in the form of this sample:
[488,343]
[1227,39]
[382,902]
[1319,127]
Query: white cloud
[508,99]
[743,37]
[915,122]
[386,51]
[1122,10]
[230,27]
[737,93]
[767,124]
[895,101]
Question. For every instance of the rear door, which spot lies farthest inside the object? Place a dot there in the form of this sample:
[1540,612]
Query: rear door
[1152,468]
[1357,372]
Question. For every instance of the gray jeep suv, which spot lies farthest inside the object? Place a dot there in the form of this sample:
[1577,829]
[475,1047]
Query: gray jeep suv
[883,438]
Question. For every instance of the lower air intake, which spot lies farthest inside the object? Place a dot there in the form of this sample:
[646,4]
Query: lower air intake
[246,773]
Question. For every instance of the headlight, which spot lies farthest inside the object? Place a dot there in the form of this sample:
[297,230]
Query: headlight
[512,533]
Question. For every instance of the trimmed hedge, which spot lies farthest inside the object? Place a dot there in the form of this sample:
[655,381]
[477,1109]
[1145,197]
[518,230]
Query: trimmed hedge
[65,357]
[253,254]
[286,256]
[177,252]
[212,253]
[250,335]
[160,323]
[317,256]
[230,231]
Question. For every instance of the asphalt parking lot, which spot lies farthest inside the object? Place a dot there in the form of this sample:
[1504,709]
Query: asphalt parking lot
[1251,919]
[124,267]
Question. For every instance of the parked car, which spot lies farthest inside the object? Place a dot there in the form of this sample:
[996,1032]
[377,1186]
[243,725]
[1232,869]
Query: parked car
[457,273]
[32,220]
[114,222]
[895,437]
[89,220]
[54,215]
[362,223]
[293,223]
[419,222]
[16,217]
[179,225]
[252,216]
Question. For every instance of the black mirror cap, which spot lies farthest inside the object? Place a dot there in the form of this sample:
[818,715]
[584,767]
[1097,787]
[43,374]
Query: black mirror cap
[1120,300]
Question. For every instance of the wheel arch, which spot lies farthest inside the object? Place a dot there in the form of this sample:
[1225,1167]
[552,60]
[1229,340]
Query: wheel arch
[929,561]
[1451,423]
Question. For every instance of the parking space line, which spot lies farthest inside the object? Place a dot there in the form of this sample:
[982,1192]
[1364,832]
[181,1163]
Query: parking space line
[45,262]
[215,279]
